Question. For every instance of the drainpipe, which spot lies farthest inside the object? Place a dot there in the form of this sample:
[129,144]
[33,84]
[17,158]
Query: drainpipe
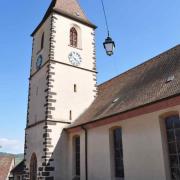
[86,152]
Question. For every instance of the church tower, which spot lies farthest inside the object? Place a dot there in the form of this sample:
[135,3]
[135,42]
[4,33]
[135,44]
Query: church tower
[62,85]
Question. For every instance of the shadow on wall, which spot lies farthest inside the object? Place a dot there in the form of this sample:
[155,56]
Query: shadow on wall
[59,157]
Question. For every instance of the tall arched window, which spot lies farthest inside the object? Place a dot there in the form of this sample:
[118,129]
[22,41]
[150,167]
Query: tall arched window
[173,140]
[33,167]
[118,153]
[42,41]
[73,37]
[77,155]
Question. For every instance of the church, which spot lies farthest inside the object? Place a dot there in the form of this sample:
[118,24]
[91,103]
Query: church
[127,128]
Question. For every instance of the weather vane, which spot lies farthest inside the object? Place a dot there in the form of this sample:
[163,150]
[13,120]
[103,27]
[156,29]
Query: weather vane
[109,44]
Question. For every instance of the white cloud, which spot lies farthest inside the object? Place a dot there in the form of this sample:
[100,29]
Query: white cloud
[11,145]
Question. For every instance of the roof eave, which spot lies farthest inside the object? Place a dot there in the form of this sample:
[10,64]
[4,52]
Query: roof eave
[127,111]
[41,23]
[85,22]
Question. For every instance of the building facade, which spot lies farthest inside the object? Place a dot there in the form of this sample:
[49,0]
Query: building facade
[123,129]
[62,70]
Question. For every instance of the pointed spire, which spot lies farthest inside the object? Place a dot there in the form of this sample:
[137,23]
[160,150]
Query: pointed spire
[67,8]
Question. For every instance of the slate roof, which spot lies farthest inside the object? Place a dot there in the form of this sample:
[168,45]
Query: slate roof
[19,168]
[142,85]
[67,8]
[5,166]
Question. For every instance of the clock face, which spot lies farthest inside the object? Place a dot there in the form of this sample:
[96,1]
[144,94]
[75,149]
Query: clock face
[39,62]
[75,58]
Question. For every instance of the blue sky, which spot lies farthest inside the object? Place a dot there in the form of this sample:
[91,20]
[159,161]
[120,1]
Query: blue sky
[141,30]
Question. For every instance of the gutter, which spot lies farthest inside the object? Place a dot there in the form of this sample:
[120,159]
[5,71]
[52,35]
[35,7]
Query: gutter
[86,152]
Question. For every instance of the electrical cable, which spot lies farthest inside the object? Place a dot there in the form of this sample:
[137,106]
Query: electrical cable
[105,16]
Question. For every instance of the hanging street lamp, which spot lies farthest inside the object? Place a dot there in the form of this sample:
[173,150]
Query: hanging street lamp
[109,44]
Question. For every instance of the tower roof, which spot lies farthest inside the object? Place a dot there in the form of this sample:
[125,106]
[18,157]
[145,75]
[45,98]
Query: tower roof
[70,7]
[67,8]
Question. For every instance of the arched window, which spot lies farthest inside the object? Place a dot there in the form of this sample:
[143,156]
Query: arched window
[33,167]
[42,41]
[173,140]
[73,37]
[118,153]
[77,155]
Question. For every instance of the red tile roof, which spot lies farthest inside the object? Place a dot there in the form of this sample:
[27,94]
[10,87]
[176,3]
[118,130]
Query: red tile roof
[5,166]
[142,85]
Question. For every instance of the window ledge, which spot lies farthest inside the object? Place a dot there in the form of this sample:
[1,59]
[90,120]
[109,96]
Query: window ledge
[75,47]
[76,178]
[118,178]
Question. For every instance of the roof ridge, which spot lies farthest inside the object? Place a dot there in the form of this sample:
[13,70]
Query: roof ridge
[141,64]
[82,9]
[7,155]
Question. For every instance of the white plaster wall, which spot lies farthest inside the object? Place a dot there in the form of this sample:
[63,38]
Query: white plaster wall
[45,28]
[37,100]
[35,144]
[62,36]
[65,77]
[145,155]
[71,156]
[60,155]
[99,154]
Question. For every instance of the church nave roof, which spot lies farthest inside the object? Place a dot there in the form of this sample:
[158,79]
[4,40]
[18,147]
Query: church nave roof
[152,81]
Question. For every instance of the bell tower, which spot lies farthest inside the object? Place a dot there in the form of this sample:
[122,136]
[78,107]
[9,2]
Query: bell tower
[62,85]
